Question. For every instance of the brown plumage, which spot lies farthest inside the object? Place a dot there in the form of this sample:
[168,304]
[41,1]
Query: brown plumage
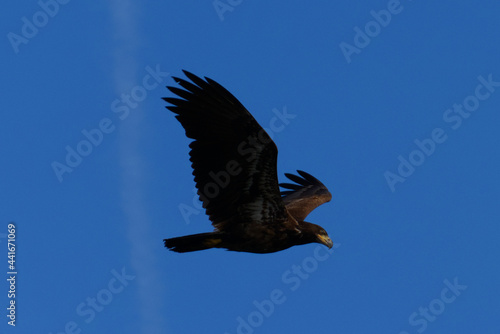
[234,168]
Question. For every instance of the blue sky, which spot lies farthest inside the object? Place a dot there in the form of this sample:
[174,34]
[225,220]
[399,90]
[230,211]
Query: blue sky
[395,106]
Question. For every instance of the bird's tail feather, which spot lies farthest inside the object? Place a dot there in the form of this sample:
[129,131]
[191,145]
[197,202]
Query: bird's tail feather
[194,242]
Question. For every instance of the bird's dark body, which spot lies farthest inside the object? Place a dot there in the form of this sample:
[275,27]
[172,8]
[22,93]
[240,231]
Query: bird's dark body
[251,240]
[234,167]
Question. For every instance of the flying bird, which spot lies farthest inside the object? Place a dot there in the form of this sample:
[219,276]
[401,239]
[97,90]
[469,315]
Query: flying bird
[234,167]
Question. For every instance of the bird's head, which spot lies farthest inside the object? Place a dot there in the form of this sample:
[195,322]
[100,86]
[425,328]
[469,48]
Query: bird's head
[316,234]
[323,238]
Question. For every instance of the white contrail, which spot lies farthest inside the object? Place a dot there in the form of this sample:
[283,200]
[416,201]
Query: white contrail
[142,254]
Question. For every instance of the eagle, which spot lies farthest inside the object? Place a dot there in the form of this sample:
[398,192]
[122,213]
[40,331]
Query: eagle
[234,167]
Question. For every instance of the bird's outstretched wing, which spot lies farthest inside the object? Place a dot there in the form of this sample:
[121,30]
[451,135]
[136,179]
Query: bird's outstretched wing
[305,196]
[233,158]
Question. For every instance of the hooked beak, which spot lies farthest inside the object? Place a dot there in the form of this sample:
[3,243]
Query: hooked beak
[325,240]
